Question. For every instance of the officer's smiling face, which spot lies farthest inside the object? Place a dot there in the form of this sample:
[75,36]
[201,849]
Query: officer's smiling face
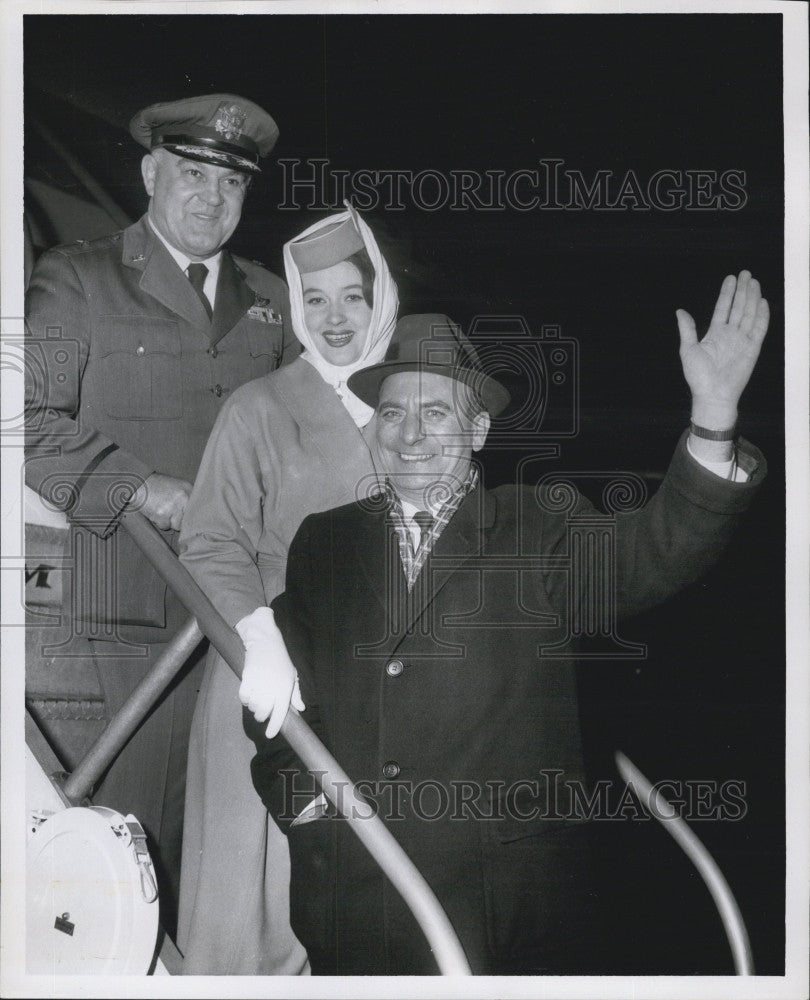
[426,433]
[195,206]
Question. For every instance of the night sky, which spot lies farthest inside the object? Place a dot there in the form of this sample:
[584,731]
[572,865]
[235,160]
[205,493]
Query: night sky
[629,94]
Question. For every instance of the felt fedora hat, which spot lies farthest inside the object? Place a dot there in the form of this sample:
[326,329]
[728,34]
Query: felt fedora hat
[431,342]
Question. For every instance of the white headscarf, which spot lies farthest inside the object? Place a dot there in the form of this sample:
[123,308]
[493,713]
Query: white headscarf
[381,326]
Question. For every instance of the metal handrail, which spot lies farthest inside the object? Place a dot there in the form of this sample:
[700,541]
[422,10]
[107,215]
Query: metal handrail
[335,783]
[126,720]
[707,867]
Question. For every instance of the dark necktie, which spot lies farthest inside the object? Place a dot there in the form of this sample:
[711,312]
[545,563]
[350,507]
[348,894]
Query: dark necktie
[425,521]
[197,273]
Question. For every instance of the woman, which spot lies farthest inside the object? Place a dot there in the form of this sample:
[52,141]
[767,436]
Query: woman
[284,446]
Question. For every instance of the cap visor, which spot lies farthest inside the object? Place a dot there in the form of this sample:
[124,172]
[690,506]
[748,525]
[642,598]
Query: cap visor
[214,156]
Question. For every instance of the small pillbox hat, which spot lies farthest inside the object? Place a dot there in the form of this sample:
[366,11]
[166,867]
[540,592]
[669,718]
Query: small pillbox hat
[327,247]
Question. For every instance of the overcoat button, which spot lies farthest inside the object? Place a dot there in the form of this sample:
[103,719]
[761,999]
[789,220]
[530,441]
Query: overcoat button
[213,351]
[218,390]
[394,668]
[390,769]
[140,349]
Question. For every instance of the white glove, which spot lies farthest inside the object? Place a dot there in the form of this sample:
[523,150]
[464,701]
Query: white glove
[269,679]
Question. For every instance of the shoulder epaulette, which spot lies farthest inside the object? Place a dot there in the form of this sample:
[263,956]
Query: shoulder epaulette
[85,246]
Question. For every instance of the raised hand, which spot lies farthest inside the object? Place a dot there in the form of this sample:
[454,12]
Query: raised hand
[718,367]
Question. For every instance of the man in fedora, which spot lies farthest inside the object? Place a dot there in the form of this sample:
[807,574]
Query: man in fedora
[135,341]
[417,619]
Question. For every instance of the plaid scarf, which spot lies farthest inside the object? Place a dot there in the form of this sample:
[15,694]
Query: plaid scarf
[413,559]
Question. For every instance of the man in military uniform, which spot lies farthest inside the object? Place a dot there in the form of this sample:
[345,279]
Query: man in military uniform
[135,341]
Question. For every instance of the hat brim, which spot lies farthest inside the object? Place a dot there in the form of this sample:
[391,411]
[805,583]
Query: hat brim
[366,383]
[214,156]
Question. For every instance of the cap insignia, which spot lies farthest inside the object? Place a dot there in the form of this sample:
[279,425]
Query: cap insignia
[230,121]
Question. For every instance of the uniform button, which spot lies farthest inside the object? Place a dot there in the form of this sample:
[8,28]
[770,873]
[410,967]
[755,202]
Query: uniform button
[212,351]
[390,769]
[140,349]
[394,668]
[217,390]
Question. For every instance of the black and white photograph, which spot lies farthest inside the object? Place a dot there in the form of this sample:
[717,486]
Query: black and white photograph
[404,502]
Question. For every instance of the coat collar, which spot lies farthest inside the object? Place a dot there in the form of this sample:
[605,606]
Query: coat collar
[163,280]
[317,410]
[378,555]
[462,539]
[234,298]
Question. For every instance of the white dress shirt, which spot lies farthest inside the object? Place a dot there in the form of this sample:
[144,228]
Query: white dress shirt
[182,261]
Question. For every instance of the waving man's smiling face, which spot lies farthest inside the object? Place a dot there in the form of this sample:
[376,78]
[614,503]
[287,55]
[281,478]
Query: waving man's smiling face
[426,432]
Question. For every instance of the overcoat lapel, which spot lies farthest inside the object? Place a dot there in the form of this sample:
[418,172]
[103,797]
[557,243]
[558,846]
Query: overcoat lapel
[161,277]
[378,561]
[462,539]
[234,298]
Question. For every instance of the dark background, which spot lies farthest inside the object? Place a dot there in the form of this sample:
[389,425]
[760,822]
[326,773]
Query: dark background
[609,92]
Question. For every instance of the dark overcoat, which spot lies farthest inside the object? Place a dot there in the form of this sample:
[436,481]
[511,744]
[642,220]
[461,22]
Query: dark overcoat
[455,709]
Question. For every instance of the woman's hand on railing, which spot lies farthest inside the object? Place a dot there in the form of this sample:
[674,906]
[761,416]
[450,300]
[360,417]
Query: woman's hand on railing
[269,678]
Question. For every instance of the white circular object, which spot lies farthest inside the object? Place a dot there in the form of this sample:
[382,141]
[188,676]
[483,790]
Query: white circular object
[91,898]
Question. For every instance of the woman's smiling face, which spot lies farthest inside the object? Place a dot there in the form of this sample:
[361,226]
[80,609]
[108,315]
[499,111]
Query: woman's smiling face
[336,313]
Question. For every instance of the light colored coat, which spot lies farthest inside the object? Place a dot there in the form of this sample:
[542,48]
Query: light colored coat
[283,447]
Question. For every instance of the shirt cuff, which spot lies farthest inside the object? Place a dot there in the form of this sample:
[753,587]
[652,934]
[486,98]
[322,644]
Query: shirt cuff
[729,470]
[312,810]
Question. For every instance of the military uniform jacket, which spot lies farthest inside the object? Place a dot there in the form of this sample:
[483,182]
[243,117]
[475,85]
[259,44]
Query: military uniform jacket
[125,376]
[453,708]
